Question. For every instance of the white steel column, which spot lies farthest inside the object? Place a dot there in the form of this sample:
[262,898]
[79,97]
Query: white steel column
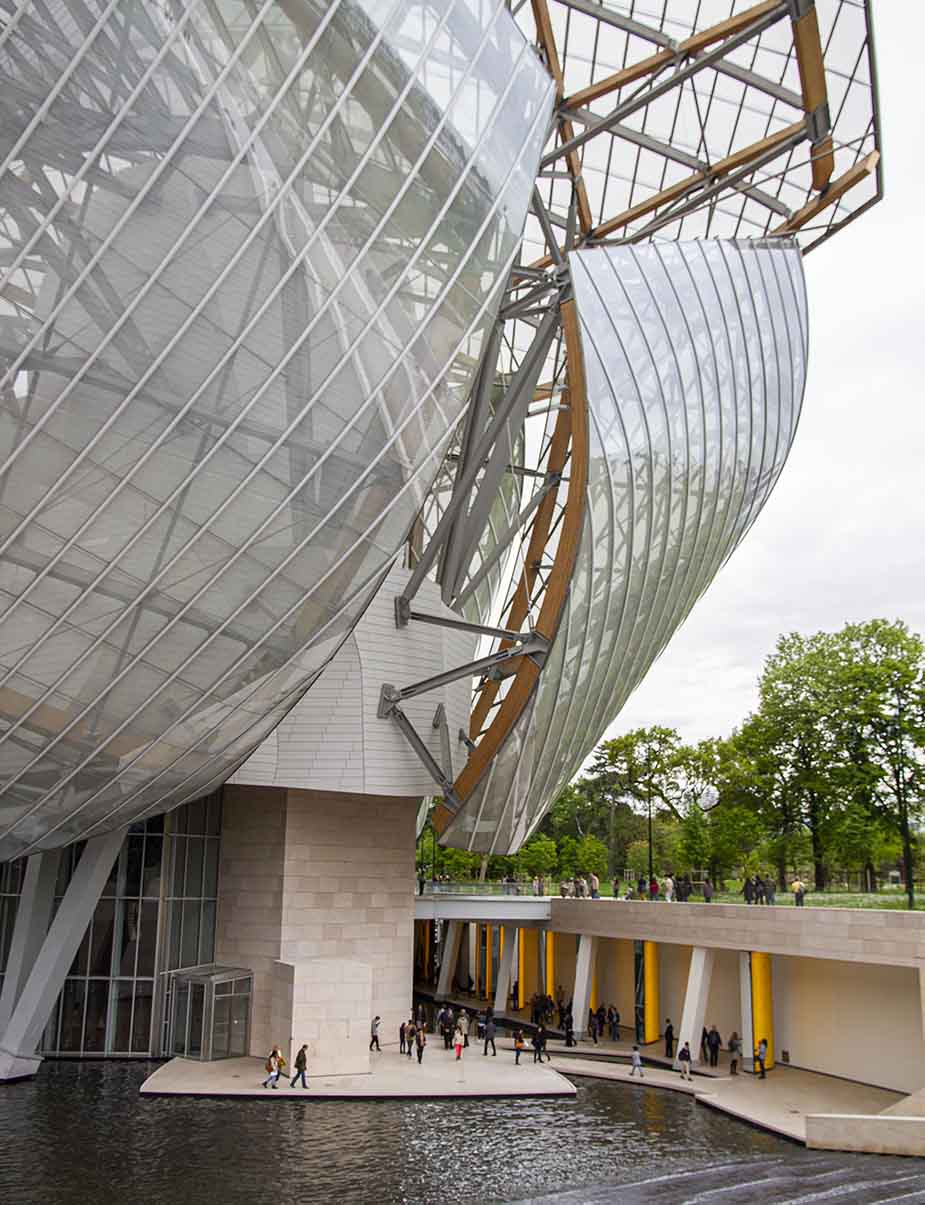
[449,956]
[745,997]
[584,975]
[695,1001]
[505,969]
[33,914]
[18,1041]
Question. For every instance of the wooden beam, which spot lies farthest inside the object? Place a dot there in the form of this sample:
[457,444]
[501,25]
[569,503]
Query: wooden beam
[571,428]
[716,171]
[835,192]
[807,46]
[654,62]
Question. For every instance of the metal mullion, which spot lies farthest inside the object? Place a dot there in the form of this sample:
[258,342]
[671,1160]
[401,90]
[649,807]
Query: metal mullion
[241,485]
[298,604]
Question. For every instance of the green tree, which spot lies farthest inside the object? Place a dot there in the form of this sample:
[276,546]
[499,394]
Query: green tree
[538,856]
[591,855]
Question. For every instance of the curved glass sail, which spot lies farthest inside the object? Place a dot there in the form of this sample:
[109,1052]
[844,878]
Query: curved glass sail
[247,259]
[695,359]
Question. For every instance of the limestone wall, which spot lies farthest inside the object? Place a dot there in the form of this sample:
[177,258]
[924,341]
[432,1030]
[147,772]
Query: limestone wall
[861,1022]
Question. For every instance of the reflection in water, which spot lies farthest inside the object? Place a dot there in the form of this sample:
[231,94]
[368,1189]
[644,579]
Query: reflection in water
[79,1134]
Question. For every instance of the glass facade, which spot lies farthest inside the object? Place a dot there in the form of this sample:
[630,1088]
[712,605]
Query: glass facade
[695,358]
[156,913]
[243,293]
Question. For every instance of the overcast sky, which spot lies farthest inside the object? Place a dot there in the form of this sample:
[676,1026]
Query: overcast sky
[843,536]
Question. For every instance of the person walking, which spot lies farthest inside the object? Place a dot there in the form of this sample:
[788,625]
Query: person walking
[490,1031]
[714,1042]
[464,1026]
[704,1050]
[653,888]
[595,886]
[420,1041]
[748,890]
[401,1038]
[636,1059]
[641,887]
[459,1039]
[735,1049]
[519,1046]
[684,1058]
[669,1039]
[301,1066]
[799,890]
[410,1030]
[668,888]
[770,888]
[374,1033]
[762,1054]
[707,890]
[273,1067]
[543,1036]
[592,1026]
[760,897]
[448,1028]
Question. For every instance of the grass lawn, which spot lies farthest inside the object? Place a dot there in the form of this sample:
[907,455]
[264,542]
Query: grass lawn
[836,899]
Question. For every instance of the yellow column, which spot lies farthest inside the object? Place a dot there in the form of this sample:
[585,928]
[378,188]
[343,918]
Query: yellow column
[477,969]
[653,1005]
[550,963]
[489,937]
[521,936]
[762,1005]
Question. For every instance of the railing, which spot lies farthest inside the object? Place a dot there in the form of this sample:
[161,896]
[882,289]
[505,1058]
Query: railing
[475,887]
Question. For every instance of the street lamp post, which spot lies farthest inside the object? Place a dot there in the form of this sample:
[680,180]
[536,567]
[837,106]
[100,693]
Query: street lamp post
[899,775]
[649,809]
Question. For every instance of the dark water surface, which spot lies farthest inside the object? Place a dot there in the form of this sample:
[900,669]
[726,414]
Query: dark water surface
[80,1133]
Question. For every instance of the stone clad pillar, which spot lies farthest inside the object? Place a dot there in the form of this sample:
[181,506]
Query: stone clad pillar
[509,949]
[699,976]
[585,963]
[449,958]
[745,1005]
[33,915]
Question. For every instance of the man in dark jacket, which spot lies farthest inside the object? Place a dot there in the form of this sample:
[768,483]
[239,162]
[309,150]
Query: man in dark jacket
[714,1041]
[669,1039]
[490,1031]
[748,890]
[301,1066]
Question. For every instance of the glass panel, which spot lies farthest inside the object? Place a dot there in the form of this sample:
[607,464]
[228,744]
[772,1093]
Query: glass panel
[207,935]
[194,866]
[141,1026]
[125,956]
[240,1010]
[154,824]
[196,818]
[221,1027]
[210,870]
[147,942]
[180,1008]
[72,1014]
[223,989]
[189,947]
[8,906]
[101,941]
[176,930]
[197,1005]
[134,858]
[178,877]
[214,815]
[97,1008]
[242,986]
[151,872]
[122,1031]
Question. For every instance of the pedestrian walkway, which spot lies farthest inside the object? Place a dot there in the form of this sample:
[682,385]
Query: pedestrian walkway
[391,1075]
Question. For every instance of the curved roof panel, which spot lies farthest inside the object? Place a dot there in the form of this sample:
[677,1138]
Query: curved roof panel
[695,361]
[248,259]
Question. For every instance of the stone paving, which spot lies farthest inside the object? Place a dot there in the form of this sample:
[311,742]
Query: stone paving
[392,1075]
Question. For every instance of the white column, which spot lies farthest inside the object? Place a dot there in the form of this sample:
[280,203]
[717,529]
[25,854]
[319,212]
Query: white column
[449,955]
[46,978]
[505,969]
[695,1001]
[745,998]
[32,917]
[584,974]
